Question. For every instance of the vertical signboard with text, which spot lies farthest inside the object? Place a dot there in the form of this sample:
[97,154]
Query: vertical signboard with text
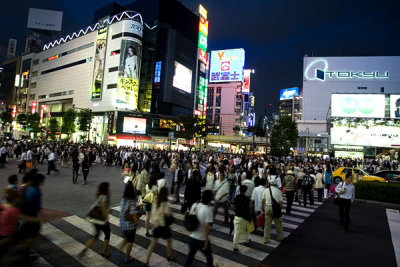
[99,58]
[202,85]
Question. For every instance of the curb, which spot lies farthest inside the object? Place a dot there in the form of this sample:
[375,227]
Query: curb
[377,203]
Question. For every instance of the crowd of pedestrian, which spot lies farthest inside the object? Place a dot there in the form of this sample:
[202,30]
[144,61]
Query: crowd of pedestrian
[248,188]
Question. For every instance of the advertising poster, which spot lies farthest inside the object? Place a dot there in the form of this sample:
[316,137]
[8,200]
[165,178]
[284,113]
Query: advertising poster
[129,71]
[289,93]
[134,125]
[227,65]
[358,105]
[99,64]
[395,106]
[366,133]
[182,78]
[246,81]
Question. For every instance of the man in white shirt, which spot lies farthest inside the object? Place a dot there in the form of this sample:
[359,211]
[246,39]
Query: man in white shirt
[267,209]
[22,165]
[3,155]
[221,191]
[199,238]
[256,197]
[250,185]
[51,162]
[346,191]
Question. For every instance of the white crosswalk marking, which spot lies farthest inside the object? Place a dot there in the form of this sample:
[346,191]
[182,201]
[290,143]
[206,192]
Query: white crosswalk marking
[73,247]
[220,238]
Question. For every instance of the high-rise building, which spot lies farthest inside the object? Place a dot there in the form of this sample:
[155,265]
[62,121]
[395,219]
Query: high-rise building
[9,82]
[290,103]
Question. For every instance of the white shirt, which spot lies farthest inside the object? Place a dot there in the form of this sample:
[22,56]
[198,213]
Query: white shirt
[349,191]
[223,189]
[204,215]
[276,193]
[52,156]
[250,187]
[23,156]
[29,155]
[209,182]
[257,197]
[3,150]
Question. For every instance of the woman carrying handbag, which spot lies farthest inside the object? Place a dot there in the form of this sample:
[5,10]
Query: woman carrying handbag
[98,216]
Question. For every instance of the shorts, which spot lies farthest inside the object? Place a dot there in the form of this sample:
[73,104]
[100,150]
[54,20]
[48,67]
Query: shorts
[129,235]
[163,232]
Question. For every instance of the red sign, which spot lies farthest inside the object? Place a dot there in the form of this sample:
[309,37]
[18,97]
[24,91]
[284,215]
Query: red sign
[14,111]
[133,137]
[197,112]
[225,66]
[53,57]
[33,110]
[42,109]
[202,56]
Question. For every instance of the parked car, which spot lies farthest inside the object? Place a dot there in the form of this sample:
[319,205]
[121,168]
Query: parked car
[387,174]
[358,175]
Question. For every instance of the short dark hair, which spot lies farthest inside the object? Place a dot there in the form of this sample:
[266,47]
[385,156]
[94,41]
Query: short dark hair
[29,175]
[243,189]
[37,179]
[129,192]
[207,197]
[263,181]
[12,179]
[196,173]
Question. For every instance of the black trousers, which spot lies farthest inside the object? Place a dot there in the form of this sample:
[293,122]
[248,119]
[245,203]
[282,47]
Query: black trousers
[344,211]
[289,200]
[310,194]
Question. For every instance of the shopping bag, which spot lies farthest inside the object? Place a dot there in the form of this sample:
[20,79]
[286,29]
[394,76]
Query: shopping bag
[261,220]
[250,227]
[332,189]
[29,165]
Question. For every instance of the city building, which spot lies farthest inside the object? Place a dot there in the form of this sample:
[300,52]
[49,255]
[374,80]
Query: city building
[325,76]
[290,103]
[9,82]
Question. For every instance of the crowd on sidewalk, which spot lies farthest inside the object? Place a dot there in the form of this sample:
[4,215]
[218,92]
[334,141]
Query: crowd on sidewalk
[248,188]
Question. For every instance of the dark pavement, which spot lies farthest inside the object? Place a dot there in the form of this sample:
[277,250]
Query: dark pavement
[321,241]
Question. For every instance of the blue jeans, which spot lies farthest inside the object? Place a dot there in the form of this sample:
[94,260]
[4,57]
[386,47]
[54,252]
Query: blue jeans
[194,246]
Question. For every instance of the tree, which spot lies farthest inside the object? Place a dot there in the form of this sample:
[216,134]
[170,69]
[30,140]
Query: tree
[5,118]
[34,123]
[68,125]
[284,135]
[85,118]
[53,128]
[22,119]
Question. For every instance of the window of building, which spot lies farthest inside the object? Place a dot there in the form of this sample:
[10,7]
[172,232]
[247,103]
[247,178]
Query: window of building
[111,86]
[113,69]
[67,65]
[34,73]
[35,62]
[32,97]
[71,92]
[33,85]
[116,52]
[68,52]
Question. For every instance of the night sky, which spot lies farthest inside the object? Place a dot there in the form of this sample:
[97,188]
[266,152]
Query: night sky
[275,34]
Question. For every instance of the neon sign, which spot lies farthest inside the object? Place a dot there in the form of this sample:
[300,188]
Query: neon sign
[318,70]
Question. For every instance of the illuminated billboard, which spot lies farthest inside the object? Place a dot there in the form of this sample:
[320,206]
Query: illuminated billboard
[358,105]
[203,26]
[289,93]
[129,71]
[227,65]
[395,106]
[134,125]
[202,41]
[246,81]
[366,132]
[42,19]
[182,78]
[98,64]
[349,154]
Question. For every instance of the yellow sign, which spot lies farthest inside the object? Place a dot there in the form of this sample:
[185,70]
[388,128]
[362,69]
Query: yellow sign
[203,11]
[127,93]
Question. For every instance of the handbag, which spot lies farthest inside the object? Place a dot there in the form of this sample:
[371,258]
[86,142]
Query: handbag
[95,214]
[29,164]
[191,221]
[332,189]
[261,220]
[250,227]
[276,207]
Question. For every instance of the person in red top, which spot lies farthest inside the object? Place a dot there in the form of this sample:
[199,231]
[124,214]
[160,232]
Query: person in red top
[10,215]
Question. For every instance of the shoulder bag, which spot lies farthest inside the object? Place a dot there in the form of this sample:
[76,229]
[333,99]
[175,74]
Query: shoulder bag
[276,207]
[95,214]
[191,221]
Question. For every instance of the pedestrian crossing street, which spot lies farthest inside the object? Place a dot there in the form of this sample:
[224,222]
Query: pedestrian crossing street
[61,240]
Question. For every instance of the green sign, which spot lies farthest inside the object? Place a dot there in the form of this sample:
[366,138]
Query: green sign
[202,41]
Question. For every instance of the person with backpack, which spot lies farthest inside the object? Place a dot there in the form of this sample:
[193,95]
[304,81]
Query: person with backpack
[199,238]
[289,182]
[308,187]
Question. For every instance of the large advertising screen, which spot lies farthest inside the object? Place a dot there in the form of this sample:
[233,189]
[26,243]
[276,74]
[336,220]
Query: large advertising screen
[366,132]
[227,65]
[246,81]
[134,125]
[395,106]
[289,93]
[182,78]
[43,19]
[129,72]
[99,64]
[358,105]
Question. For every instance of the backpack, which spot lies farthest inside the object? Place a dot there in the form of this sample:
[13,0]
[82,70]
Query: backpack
[308,182]
[191,221]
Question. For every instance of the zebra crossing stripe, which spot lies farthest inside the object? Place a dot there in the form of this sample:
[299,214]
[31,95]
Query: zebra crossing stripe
[182,247]
[73,247]
[138,252]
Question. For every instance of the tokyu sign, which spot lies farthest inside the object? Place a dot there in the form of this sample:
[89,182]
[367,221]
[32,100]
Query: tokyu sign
[319,70]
